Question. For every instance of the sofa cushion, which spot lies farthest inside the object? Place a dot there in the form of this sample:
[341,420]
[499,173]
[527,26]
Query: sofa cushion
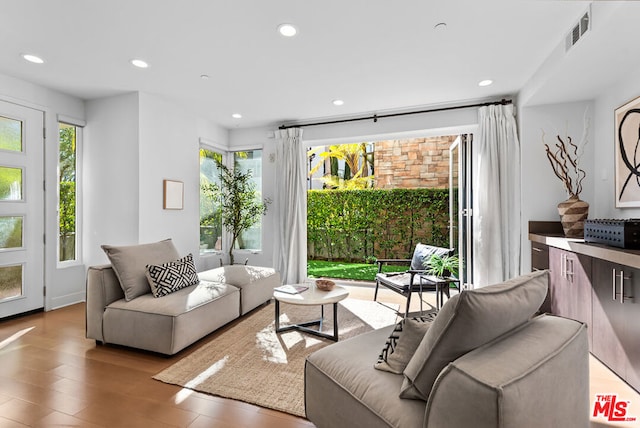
[256,282]
[423,253]
[403,342]
[237,275]
[184,300]
[173,322]
[130,261]
[172,276]
[469,320]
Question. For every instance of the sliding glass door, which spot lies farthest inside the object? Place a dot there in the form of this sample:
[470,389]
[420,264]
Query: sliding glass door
[460,206]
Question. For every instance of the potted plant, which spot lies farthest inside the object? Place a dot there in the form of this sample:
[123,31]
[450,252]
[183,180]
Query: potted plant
[241,204]
[564,158]
[442,266]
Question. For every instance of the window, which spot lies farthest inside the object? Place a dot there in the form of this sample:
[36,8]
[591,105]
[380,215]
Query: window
[69,138]
[251,160]
[211,225]
[210,203]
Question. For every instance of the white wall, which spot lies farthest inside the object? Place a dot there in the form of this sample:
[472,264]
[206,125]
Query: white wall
[111,175]
[64,285]
[168,150]
[541,189]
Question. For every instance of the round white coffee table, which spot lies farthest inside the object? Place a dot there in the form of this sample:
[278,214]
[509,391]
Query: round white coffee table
[311,297]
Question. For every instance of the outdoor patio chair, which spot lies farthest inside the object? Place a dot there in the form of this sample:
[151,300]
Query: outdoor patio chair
[409,281]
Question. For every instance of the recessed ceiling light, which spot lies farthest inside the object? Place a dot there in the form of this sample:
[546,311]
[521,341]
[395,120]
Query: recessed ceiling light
[337,102]
[139,63]
[204,76]
[287,30]
[440,26]
[32,58]
[236,116]
[485,82]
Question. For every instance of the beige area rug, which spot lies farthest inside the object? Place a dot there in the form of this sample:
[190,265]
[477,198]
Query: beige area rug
[251,363]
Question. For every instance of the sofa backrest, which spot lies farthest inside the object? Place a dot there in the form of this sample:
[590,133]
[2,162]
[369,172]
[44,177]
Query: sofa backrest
[535,376]
[469,320]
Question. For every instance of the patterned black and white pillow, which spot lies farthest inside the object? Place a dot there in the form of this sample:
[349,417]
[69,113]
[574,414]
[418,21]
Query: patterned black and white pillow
[172,276]
[403,342]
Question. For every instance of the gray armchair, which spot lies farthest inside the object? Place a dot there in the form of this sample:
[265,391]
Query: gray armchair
[408,282]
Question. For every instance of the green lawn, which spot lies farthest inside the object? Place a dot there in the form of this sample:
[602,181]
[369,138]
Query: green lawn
[357,271]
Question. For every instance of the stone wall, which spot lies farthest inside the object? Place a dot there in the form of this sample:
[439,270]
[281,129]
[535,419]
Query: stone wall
[417,162]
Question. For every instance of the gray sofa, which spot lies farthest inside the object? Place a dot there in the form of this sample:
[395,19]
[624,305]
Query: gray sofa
[170,323]
[486,360]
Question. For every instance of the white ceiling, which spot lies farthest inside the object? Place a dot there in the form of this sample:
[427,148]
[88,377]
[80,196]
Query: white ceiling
[376,55]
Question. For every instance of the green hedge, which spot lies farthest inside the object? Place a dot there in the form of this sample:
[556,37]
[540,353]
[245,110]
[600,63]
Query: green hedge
[357,225]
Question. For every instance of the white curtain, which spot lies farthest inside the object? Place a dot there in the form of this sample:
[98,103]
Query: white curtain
[291,207]
[496,208]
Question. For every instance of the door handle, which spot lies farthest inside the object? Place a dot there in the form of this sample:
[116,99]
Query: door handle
[622,278]
[566,268]
[569,269]
[622,296]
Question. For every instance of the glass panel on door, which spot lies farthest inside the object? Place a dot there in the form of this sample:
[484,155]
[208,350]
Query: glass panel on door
[11,232]
[10,281]
[10,134]
[10,184]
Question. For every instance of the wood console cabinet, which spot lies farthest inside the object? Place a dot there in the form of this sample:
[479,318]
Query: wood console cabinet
[616,318]
[598,285]
[570,289]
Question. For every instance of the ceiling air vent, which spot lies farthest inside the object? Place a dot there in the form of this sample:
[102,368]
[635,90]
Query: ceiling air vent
[579,30]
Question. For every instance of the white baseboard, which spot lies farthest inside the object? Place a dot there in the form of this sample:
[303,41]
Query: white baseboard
[66,300]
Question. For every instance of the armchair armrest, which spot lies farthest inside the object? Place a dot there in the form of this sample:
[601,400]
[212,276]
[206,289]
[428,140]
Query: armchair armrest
[382,262]
[394,261]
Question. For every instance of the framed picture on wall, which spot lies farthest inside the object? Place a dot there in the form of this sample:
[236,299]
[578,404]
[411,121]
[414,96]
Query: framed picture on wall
[627,154]
[173,195]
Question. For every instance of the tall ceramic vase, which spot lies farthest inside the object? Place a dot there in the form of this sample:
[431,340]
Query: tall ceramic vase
[573,212]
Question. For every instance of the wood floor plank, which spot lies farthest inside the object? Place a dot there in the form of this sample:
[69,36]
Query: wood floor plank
[8,423]
[58,419]
[23,412]
[208,422]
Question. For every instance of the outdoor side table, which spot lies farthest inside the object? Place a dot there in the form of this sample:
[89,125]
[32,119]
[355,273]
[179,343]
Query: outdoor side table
[441,285]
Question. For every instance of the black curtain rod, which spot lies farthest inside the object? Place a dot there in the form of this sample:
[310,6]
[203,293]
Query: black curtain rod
[375,117]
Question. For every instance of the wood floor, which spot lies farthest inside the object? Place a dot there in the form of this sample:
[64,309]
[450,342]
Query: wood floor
[51,375]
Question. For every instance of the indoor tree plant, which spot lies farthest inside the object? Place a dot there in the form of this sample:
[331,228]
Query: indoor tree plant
[241,205]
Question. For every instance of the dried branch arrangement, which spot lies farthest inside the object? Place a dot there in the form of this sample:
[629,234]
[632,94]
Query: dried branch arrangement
[564,162]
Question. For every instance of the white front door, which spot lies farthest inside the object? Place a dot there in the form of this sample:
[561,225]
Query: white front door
[21,209]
